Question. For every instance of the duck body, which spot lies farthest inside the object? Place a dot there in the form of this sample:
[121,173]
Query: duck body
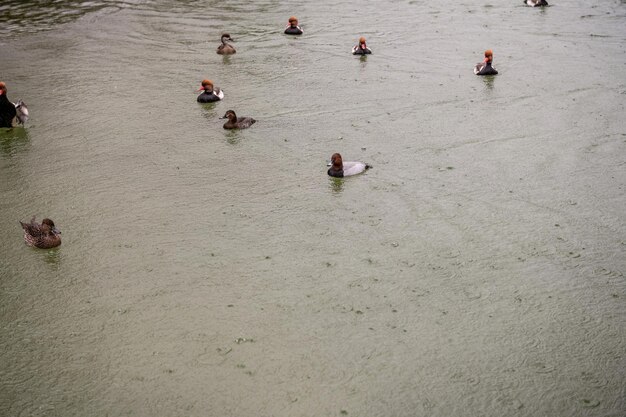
[211,96]
[340,169]
[8,111]
[235,122]
[536,3]
[361,50]
[43,236]
[293,28]
[226,48]
[485,68]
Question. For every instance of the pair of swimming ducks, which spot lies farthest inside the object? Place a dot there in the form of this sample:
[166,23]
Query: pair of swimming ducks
[45,235]
[211,94]
[227,49]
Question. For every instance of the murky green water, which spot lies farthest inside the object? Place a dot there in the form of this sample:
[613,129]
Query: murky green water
[476,270]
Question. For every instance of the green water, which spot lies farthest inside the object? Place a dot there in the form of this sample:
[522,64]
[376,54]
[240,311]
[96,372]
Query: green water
[476,270]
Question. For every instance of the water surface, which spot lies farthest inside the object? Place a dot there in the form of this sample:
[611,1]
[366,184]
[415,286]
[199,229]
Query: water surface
[477,269]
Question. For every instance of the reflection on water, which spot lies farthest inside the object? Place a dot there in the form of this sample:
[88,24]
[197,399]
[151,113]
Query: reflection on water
[488,81]
[183,236]
[336,184]
[31,16]
[233,136]
[13,140]
[53,257]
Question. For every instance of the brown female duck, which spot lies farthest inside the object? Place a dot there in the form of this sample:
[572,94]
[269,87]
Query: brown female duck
[43,236]
[235,122]
[226,48]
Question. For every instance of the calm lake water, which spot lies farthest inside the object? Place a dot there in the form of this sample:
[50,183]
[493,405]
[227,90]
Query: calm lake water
[476,270]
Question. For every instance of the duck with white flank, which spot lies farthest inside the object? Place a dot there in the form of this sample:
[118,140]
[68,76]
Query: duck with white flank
[361,48]
[210,94]
[485,68]
[235,122]
[226,48]
[340,169]
[293,28]
[11,113]
[536,3]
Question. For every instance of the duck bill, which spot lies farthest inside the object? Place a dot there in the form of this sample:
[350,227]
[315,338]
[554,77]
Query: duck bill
[56,231]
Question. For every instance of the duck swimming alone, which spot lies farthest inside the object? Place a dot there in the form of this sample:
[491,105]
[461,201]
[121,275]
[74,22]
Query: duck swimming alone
[485,68]
[43,236]
[340,169]
[293,28]
[226,48]
[235,122]
[536,3]
[361,48]
[210,94]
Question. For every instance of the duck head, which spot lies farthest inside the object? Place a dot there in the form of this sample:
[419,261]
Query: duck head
[47,225]
[230,115]
[3,88]
[362,43]
[226,37]
[336,161]
[336,168]
[488,55]
[207,85]
[293,21]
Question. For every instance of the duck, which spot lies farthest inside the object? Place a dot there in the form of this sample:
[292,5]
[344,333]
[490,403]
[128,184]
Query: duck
[340,169]
[43,236]
[361,48]
[235,122]
[210,94]
[8,110]
[225,48]
[485,68]
[293,28]
[536,3]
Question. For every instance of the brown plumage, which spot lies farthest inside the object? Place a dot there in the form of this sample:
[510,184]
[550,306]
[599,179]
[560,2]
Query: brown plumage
[226,48]
[235,122]
[43,236]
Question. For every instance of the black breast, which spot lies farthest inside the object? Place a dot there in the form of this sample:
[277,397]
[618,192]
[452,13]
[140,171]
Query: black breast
[207,98]
[337,173]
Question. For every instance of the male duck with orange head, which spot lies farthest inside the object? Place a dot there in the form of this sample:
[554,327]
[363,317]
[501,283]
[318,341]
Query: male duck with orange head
[210,94]
[293,28]
[361,48]
[485,68]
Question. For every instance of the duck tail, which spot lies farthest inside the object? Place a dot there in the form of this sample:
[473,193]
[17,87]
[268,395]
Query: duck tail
[368,166]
